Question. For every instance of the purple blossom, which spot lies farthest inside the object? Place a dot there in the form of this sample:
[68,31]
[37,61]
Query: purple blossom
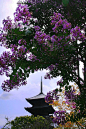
[51,95]
[22,41]
[10,84]
[51,67]
[55,18]
[67,26]
[59,117]
[70,95]
[76,34]
[7,24]
[42,39]
[13,47]
[33,57]
[54,38]
[7,60]
[22,14]
[37,28]
[21,51]
[49,98]
[2,38]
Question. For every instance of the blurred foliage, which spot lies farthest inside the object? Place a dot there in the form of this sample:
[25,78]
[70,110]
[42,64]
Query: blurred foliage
[29,122]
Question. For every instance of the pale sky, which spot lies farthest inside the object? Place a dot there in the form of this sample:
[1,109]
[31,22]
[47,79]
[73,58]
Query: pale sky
[12,103]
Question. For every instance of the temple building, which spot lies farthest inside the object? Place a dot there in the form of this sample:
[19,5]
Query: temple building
[39,106]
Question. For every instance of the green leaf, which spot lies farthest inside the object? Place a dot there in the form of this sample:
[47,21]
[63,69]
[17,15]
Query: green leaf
[65,2]
[66,88]
[60,90]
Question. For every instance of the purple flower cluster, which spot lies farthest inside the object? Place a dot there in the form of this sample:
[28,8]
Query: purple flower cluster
[22,14]
[59,117]
[10,84]
[33,57]
[64,24]
[51,67]
[4,62]
[76,34]
[41,37]
[7,60]
[55,96]
[70,95]
[22,42]
[49,98]
[71,103]
[7,24]
[21,51]
[37,28]
[55,18]
[13,47]
[54,38]
[2,38]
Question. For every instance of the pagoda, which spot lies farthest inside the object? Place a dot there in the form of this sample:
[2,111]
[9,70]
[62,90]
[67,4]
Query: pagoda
[39,106]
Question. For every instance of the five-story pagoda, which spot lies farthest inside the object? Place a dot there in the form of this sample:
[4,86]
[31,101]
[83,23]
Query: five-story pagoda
[39,106]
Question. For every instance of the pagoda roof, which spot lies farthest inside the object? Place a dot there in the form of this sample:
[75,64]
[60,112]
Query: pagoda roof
[42,110]
[39,96]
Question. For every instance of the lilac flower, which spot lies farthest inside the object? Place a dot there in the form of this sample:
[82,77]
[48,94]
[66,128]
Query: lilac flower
[22,14]
[59,23]
[37,28]
[49,98]
[33,57]
[76,34]
[54,38]
[7,24]
[51,67]
[67,26]
[10,84]
[55,18]
[42,38]
[13,47]
[21,51]
[59,117]
[2,38]
[70,95]
[22,41]
[7,60]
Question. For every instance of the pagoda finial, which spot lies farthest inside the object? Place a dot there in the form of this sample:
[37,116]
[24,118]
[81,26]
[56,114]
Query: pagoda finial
[41,85]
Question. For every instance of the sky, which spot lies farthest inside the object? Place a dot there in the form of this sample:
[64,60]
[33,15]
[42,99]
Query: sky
[12,103]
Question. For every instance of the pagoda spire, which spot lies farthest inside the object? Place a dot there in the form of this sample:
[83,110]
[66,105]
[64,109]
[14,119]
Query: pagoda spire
[41,86]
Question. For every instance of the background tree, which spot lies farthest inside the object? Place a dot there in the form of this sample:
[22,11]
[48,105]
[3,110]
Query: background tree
[29,122]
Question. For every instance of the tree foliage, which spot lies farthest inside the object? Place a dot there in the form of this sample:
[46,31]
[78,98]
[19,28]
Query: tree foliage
[29,122]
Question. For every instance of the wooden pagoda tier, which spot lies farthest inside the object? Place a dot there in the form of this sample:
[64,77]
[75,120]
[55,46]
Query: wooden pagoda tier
[39,106]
